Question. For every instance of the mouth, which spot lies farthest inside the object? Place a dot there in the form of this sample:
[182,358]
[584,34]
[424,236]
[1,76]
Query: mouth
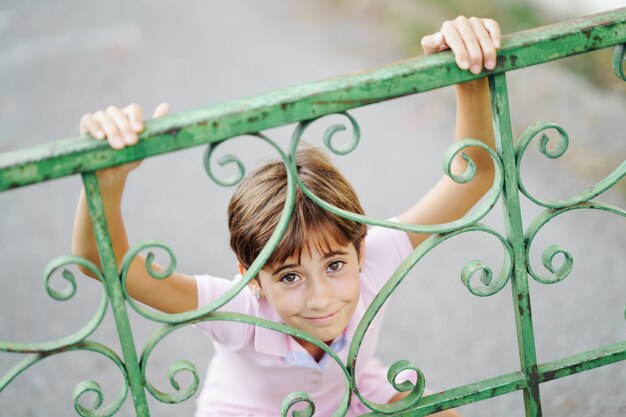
[323,319]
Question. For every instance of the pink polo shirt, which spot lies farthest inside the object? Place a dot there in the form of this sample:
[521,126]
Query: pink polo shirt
[254,368]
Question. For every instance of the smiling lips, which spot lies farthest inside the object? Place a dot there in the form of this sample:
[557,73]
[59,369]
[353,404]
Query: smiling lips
[322,320]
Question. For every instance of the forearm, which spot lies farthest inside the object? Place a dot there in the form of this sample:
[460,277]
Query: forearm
[83,239]
[473,120]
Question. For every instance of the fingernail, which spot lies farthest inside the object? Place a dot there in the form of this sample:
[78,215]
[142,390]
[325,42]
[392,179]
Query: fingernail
[489,65]
[464,65]
[130,139]
[117,143]
[438,37]
[100,134]
[137,126]
[475,69]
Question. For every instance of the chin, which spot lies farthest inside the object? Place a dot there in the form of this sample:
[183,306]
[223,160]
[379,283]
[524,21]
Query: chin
[329,335]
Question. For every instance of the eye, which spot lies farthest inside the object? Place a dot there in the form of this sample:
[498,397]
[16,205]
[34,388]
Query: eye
[335,266]
[289,278]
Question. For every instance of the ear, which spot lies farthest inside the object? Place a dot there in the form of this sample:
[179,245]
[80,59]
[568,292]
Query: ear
[255,282]
[362,250]
[241,269]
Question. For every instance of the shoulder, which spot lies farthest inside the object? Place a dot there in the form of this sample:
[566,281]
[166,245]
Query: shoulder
[382,243]
[385,250]
[211,287]
[231,334]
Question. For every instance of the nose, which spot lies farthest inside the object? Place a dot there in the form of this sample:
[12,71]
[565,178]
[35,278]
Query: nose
[319,294]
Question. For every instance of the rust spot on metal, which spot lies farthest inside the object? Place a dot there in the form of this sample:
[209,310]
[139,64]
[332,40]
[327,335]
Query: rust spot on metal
[173,131]
[548,376]
[202,123]
[284,106]
[500,60]
[252,119]
[216,124]
[513,60]
[586,32]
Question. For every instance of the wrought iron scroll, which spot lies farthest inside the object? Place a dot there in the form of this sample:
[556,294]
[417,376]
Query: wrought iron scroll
[558,274]
[74,342]
[556,152]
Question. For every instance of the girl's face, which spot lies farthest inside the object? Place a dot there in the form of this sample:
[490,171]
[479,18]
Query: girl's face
[319,293]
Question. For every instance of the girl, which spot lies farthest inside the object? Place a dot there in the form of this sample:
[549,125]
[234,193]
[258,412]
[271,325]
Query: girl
[324,272]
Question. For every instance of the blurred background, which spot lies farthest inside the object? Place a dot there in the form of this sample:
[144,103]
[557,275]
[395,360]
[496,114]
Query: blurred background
[61,59]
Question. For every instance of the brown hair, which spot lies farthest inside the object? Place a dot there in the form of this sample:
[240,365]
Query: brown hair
[256,206]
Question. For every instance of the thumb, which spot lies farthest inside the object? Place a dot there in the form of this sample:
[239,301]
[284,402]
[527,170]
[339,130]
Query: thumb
[433,43]
[161,110]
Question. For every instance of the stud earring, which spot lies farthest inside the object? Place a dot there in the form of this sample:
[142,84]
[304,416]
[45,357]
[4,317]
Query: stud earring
[259,295]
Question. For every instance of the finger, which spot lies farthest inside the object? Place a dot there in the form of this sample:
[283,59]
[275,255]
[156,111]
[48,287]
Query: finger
[127,134]
[494,30]
[110,129]
[134,112]
[470,39]
[455,42]
[486,43]
[433,43]
[89,125]
[161,110]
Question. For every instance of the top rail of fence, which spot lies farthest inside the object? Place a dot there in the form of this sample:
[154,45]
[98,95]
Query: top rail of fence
[218,122]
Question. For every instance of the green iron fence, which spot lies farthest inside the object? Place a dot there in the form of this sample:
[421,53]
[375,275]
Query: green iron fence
[302,104]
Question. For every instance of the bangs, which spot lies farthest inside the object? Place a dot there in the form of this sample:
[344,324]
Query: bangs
[312,228]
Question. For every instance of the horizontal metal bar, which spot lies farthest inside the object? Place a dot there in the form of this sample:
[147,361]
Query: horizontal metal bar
[215,123]
[466,394]
[505,384]
[605,355]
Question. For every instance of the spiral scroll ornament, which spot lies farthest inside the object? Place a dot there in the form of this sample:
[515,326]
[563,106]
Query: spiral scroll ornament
[155,272]
[67,293]
[91,386]
[230,159]
[180,394]
[553,252]
[84,387]
[294,398]
[559,150]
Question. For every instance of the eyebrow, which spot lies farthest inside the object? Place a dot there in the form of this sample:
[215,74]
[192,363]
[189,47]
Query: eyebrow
[326,256]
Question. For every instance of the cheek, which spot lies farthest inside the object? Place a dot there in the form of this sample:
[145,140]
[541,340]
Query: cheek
[285,302]
[348,289]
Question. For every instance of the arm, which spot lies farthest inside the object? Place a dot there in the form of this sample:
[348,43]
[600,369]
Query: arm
[474,42]
[175,294]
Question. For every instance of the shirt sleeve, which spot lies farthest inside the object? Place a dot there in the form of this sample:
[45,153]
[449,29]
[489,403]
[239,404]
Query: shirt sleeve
[228,333]
[385,249]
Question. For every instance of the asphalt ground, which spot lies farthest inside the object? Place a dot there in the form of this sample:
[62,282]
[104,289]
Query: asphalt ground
[59,60]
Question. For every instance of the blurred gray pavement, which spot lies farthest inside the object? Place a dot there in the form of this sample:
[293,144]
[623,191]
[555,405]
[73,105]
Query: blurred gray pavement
[59,60]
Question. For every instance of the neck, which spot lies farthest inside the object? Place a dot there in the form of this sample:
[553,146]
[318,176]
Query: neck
[316,352]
